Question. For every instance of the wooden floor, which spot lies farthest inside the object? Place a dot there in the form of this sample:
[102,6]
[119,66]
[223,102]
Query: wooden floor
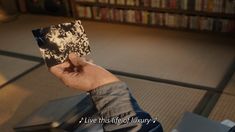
[169,72]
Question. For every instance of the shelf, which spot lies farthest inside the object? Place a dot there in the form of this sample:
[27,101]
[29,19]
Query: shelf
[173,11]
[227,34]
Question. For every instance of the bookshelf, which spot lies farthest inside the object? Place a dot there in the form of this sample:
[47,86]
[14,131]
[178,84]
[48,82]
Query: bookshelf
[188,15]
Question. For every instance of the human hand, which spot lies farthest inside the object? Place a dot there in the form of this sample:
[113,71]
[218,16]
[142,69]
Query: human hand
[80,74]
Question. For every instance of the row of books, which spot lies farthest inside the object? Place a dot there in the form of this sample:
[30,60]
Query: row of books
[218,6]
[159,19]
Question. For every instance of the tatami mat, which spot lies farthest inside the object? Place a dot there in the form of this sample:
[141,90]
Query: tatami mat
[165,102]
[12,67]
[189,57]
[230,88]
[20,98]
[181,56]
[224,109]
[32,90]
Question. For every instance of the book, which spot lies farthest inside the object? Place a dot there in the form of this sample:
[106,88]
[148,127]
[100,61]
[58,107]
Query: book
[230,6]
[156,3]
[120,2]
[130,2]
[103,1]
[112,2]
[84,11]
[191,5]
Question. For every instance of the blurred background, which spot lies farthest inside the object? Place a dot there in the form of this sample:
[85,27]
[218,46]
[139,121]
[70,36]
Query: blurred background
[176,56]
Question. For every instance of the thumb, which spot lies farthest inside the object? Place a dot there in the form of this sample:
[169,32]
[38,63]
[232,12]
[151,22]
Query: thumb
[76,60]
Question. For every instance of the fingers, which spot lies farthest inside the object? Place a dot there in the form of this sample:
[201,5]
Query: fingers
[77,61]
[58,70]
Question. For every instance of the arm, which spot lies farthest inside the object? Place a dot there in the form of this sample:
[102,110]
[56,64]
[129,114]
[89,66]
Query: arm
[115,101]
[110,96]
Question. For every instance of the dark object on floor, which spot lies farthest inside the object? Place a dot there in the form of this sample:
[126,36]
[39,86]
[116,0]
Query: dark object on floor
[195,123]
[232,129]
[62,115]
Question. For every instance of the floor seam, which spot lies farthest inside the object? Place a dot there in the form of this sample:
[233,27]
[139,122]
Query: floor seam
[210,102]
[21,75]
[165,81]
[20,56]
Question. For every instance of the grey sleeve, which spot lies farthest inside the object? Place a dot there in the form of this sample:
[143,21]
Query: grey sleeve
[115,104]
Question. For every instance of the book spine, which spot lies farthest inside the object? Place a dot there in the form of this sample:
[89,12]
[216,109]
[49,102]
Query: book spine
[191,5]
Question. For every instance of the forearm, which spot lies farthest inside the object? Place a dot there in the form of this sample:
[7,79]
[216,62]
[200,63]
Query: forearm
[115,101]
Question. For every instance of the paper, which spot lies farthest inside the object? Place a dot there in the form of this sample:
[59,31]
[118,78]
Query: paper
[57,41]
